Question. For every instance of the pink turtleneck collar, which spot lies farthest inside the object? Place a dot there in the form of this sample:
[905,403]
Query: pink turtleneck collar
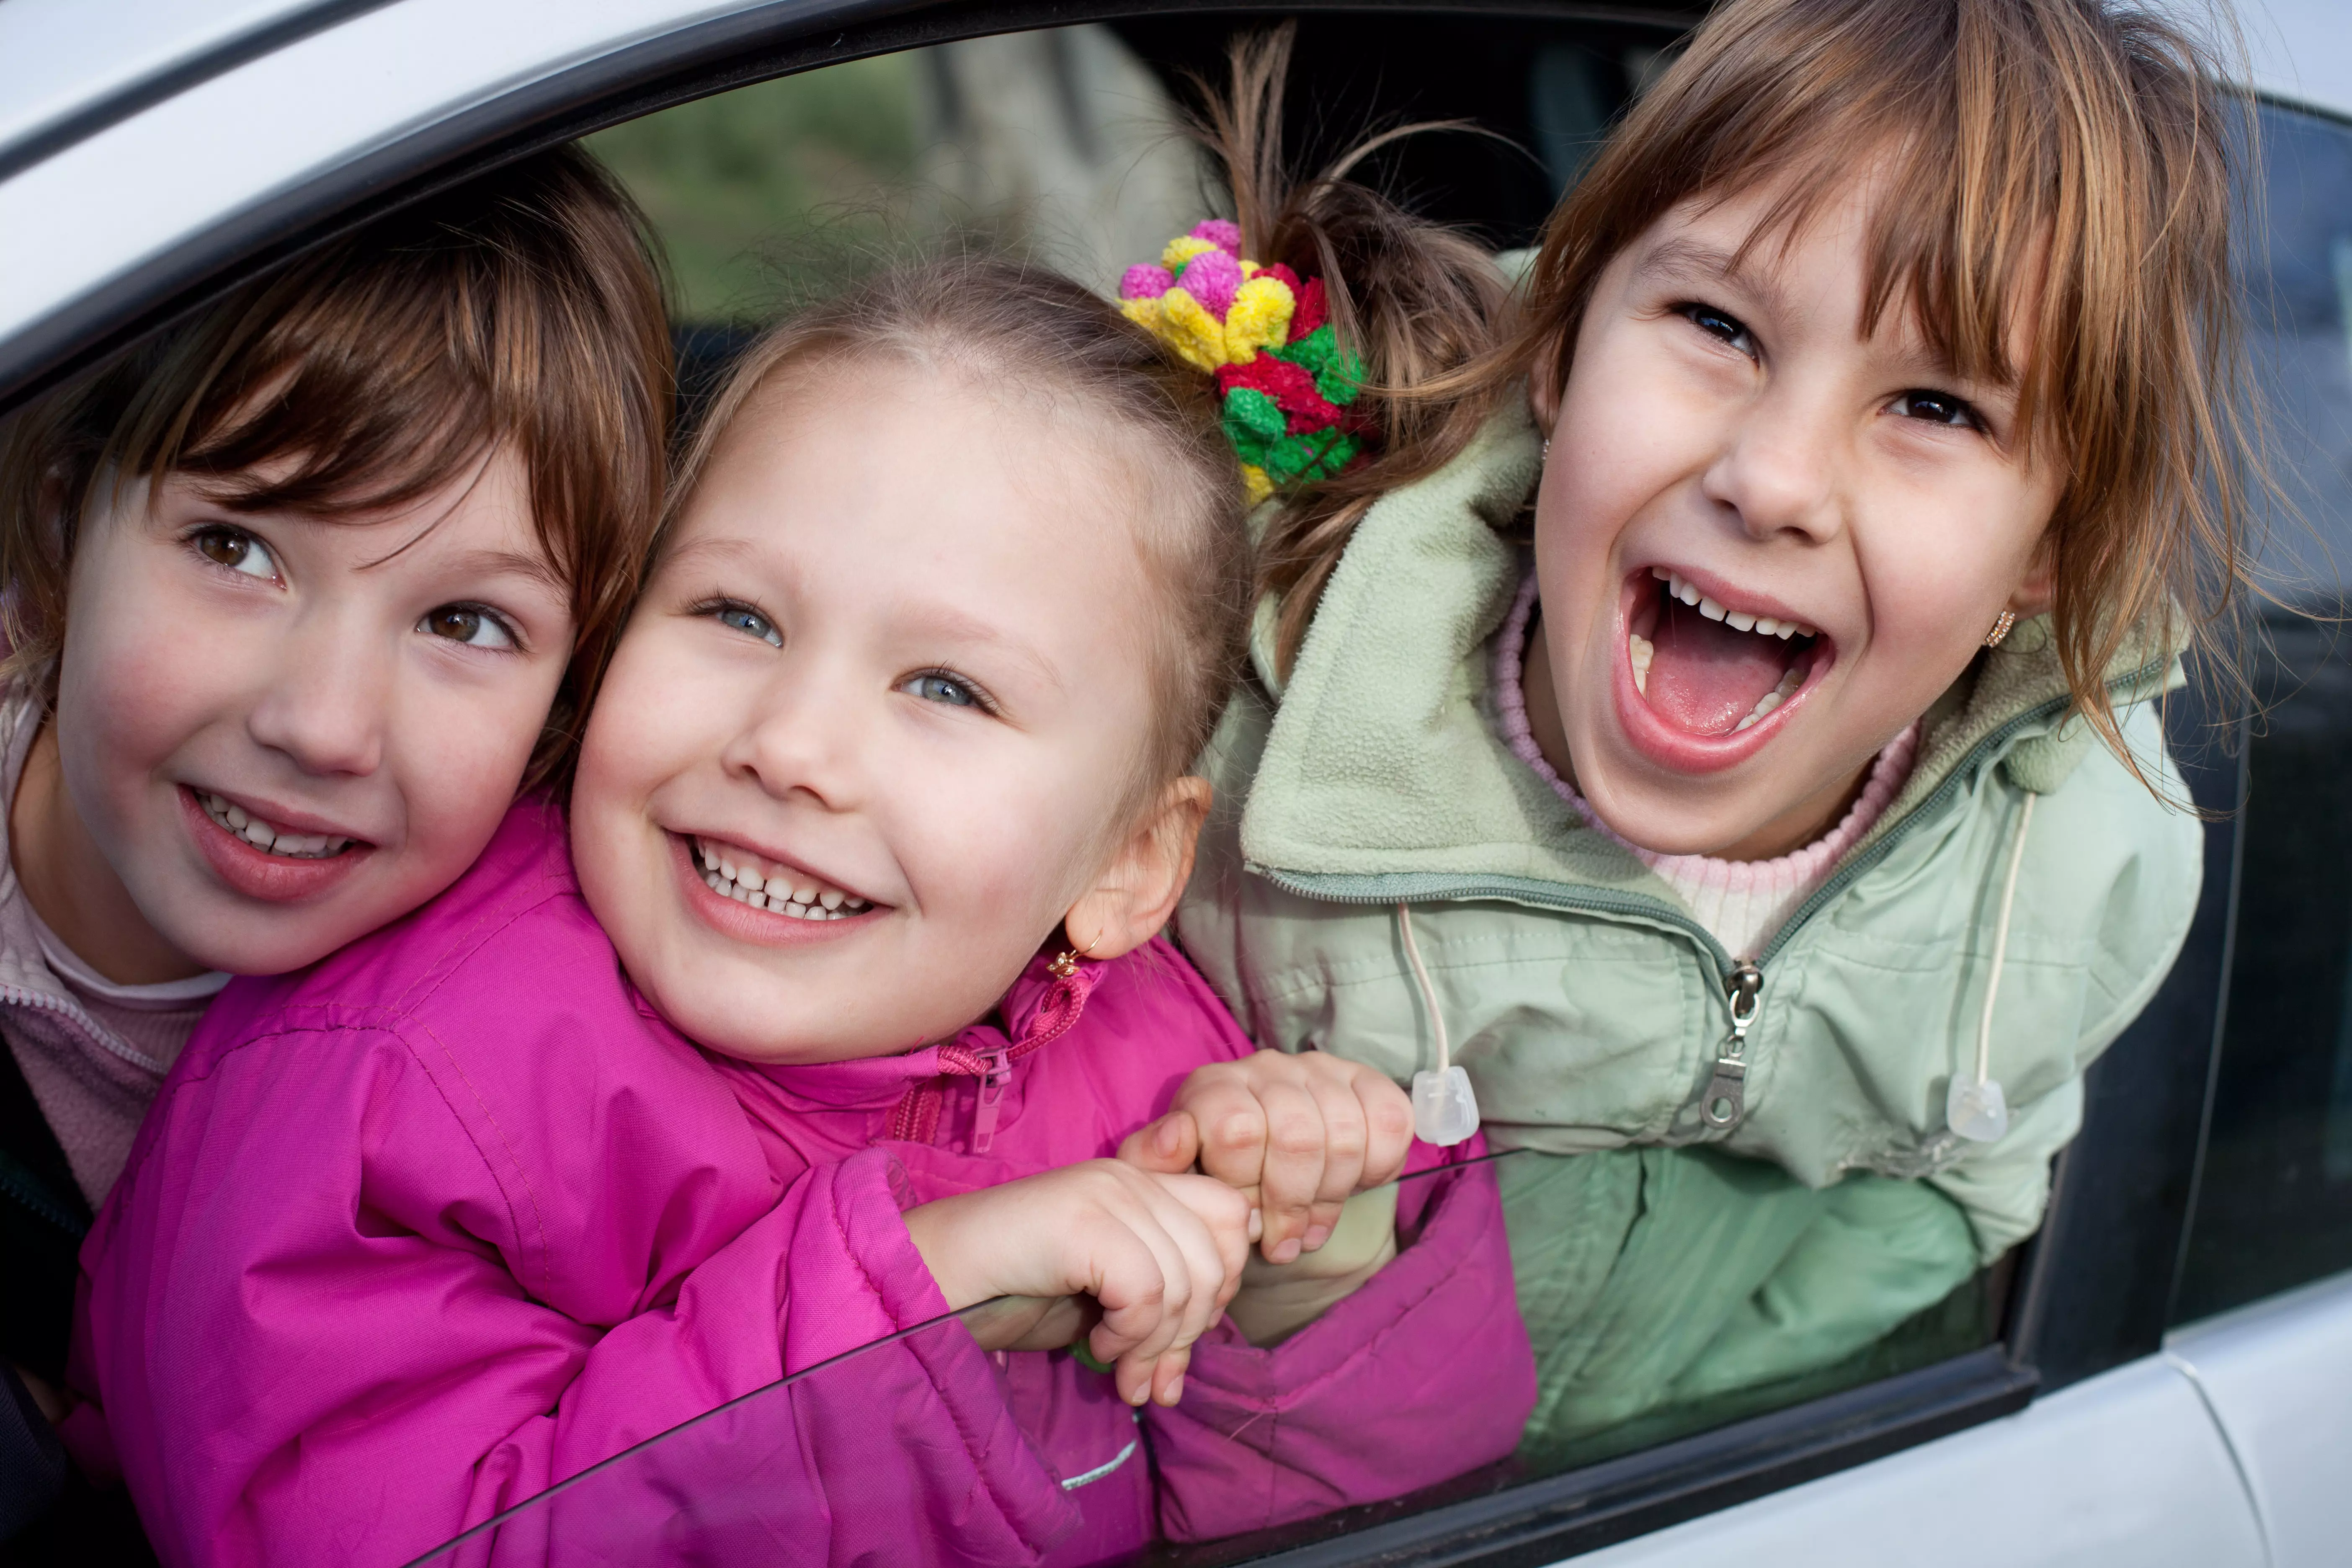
[1743,902]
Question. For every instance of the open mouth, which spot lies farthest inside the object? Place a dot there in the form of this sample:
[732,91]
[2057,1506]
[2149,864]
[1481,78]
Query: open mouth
[734,872]
[1710,670]
[268,836]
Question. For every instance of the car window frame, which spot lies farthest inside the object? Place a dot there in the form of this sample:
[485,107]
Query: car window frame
[2089,1292]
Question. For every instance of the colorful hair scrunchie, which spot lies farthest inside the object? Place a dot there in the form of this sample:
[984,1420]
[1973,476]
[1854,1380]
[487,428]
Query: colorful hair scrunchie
[1284,382]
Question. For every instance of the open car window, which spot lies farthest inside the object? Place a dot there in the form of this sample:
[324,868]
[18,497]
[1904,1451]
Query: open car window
[2273,1206]
[1068,146]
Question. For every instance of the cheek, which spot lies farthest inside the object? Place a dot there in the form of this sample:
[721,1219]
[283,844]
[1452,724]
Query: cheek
[464,751]
[1624,438]
[1948,557]
[129,695]
[997,846]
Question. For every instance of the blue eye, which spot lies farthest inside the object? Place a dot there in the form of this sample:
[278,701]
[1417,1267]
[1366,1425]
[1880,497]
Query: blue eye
[746,619]
[937,688]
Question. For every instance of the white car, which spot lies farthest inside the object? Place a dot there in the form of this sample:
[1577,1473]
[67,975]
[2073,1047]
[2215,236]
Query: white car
[2164,1376]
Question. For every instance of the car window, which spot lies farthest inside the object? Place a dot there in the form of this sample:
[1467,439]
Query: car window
[2273,1204]
[1068,145]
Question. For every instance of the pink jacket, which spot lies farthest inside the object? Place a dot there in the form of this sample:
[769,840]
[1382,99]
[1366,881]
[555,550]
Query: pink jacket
[453,1216]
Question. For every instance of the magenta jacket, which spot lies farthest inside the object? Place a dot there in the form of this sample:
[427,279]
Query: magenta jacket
[452,1215]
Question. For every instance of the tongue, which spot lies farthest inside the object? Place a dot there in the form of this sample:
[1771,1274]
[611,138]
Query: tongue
[1705,676]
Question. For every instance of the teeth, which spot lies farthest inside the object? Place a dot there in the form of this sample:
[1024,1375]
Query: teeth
[1640,651]
[1771,700]
[752,882]
[1762,626]
[262,835]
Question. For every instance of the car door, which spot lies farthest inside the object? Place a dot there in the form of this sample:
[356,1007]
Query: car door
[2041,1415]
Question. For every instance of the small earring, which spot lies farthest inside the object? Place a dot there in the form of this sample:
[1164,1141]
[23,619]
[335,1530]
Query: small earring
[1545,456]
[1065,963]
[2000,628]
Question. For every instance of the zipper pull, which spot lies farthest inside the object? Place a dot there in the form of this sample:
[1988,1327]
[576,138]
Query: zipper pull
[991,1096]
[1726,1101]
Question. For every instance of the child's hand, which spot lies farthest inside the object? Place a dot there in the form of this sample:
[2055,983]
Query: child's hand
[1277,1300]
[1161,1253]
[1300,1132]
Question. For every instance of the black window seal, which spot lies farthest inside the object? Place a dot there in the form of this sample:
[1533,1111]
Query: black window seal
[2099,1279]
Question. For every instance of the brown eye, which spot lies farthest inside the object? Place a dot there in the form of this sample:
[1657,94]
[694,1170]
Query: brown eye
[235,550]
[466,623]
[1936,408]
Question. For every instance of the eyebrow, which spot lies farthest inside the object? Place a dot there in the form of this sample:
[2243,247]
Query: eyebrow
[1681,258]
[1692,260]
[531,565]
[720,548]
[951,625]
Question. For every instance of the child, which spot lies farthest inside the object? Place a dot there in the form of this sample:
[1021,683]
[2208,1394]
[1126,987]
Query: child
[952,595]
[299,595]
[1799,795]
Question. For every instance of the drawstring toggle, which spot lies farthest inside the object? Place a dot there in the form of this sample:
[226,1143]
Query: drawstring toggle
[1444,1108]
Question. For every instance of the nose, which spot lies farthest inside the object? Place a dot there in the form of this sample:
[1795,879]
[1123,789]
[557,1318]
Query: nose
[803,737]
[326,703]
[1779,470]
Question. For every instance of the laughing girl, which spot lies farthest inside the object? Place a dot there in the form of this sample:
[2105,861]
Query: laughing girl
[1747,743]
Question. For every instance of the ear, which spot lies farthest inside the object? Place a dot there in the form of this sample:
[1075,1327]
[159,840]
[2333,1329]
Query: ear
[1137,891]
[2039,587]
[1543,387]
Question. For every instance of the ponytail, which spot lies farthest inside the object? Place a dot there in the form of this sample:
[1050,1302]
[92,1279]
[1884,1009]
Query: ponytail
[1420,304]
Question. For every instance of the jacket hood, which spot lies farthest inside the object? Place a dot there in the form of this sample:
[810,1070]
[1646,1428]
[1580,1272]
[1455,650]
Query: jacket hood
[1383,757]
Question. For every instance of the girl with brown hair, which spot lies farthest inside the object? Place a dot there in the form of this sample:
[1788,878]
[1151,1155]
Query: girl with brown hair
[299,595]
[1718,717]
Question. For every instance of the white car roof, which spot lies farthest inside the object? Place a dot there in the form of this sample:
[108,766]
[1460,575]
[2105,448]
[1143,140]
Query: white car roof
[61,60]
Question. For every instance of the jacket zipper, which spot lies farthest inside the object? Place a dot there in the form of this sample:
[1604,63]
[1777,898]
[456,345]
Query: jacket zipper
[79,1016]
[996,1074]
[1742,979]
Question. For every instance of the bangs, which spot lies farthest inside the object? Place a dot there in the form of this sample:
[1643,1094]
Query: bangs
[364,384]
[302,421]
[2032,187]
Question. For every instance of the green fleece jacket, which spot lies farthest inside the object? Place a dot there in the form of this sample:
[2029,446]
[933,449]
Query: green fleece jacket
[1587,1003]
